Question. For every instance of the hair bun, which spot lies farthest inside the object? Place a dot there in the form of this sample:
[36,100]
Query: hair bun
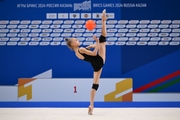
[66,39]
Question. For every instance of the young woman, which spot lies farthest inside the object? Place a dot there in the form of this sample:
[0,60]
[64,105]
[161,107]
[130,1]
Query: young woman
[96,57]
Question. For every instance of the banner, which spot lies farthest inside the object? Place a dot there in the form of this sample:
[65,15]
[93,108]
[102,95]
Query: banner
[143,43]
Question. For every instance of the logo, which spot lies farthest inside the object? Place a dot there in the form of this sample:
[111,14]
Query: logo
[85,15]
[74,15]
[97,16]
[84,6]
[122,93]
[23,89]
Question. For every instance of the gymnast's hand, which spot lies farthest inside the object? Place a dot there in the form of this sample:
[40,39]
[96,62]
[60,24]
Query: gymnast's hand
[95,38]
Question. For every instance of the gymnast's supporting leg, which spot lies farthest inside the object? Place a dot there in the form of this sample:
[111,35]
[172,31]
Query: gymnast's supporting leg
[102,53]
[93,90]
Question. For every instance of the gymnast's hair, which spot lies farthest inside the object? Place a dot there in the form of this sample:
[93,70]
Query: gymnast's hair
[68,43]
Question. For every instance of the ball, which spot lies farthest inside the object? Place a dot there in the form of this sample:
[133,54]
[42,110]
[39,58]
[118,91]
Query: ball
[90,24]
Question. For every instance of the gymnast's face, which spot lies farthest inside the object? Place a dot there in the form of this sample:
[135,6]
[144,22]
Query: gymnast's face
[75,42]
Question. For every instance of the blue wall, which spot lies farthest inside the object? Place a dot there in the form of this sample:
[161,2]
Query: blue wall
[142,63]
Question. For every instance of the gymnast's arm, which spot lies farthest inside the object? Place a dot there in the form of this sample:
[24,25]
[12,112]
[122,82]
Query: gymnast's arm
[94,52]
[91,46]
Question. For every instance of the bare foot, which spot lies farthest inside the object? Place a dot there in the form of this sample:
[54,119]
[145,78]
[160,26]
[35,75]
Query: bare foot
[90,110]
[104,18]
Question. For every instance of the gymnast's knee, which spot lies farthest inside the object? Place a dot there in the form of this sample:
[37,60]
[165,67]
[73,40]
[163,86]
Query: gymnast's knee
[95,86]
[102,39]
